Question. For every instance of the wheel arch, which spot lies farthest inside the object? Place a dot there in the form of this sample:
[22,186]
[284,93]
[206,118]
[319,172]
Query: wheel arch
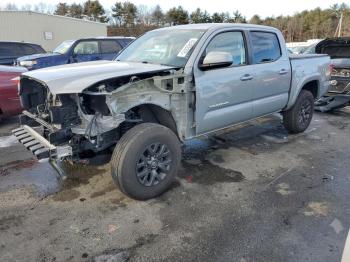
[154,113]
[311,84]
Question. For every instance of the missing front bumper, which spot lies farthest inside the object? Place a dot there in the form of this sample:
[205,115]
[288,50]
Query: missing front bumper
[39,146]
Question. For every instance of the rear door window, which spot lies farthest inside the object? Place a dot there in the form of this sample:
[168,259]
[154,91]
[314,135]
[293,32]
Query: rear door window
[265,47]
[110,47]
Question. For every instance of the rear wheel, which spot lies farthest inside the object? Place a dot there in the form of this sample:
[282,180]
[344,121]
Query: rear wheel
[146,160]
[297,119]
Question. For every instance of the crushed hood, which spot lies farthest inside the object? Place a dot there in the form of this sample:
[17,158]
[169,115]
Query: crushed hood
[74,78]
[334,47]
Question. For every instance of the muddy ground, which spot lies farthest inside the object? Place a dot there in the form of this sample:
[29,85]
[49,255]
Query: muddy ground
[251,193]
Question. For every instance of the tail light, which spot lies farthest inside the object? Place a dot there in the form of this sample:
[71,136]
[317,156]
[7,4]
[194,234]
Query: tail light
[17,81]
[330,70]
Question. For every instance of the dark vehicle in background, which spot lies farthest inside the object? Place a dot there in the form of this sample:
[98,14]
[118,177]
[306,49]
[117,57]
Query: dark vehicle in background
[338,95]
[75,51]
[9,99]
[10,51]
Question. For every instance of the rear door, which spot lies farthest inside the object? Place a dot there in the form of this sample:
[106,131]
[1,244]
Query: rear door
[272,73]
[85,51]
[224,95]
[109,49]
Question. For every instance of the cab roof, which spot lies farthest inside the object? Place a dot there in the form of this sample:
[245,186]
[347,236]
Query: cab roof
[214,26]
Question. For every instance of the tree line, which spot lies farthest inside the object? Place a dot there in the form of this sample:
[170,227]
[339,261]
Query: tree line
[126,17]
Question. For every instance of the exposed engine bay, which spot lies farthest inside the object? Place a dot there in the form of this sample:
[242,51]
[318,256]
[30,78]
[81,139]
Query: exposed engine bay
[92,122]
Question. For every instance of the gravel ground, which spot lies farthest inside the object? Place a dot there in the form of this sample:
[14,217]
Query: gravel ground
[251,193]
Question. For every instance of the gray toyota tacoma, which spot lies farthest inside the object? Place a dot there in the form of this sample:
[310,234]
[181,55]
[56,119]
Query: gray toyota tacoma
[169,85]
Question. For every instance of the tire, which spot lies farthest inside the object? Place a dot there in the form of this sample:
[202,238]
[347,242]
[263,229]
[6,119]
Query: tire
[145,161]
[298,118]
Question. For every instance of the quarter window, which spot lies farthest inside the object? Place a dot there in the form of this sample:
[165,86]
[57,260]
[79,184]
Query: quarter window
[110,46]
[230,42]
[265,47]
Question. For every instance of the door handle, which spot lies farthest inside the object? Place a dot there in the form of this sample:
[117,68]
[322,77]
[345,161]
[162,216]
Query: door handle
[283,72]
[246,77]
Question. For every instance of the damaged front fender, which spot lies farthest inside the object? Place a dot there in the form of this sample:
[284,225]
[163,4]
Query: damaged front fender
[170,90]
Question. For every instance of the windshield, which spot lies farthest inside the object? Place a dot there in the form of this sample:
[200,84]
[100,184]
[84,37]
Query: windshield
[163,47]
[63,47]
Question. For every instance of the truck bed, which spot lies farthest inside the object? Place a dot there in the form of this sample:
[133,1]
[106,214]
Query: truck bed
[301,56]
[310,68]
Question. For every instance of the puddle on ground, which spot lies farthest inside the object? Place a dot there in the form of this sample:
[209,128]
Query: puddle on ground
[8,141]
[252,138]
[78,174]
[208,174]
[29,173]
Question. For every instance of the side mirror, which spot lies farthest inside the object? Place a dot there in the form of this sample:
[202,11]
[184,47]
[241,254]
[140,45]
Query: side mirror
[216,59]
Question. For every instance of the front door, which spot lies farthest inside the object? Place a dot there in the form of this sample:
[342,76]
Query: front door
[86,51]
[224,95]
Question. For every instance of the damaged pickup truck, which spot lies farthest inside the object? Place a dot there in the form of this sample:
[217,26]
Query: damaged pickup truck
[168,86]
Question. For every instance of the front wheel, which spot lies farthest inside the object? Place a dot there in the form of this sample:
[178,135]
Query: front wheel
[297,119]
[146,160]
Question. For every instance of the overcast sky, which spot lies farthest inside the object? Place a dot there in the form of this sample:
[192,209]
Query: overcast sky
[247,7]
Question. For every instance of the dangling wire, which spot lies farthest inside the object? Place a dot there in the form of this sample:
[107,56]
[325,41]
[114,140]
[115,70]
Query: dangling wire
[90,126]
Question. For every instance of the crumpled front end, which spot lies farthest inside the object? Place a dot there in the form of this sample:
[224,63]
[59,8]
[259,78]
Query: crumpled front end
[90,122]
[65,125]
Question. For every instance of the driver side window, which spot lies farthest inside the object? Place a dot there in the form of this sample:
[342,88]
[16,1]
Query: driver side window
[230,42]
[86,48]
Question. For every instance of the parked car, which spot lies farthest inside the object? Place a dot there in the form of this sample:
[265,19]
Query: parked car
[9,99]
[75,51]
[338,95]
[10,51]
[168,86]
